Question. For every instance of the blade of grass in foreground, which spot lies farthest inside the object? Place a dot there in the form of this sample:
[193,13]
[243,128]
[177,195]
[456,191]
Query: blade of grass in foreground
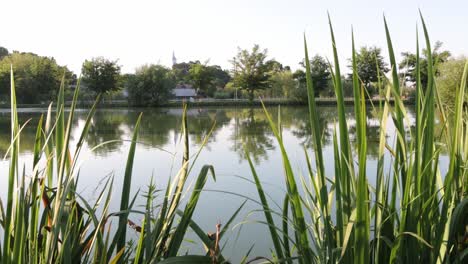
[12,174]
[121,232]
[347,166]
[300,226]
[317,138]
[266,210]
[181,229]
[362,225]
[35,205]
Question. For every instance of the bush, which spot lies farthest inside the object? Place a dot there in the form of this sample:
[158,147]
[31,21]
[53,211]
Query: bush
[151,85]
[38,78]
[449,79]
[223,95]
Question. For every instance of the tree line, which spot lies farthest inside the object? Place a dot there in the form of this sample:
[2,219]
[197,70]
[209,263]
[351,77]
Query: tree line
[253,74]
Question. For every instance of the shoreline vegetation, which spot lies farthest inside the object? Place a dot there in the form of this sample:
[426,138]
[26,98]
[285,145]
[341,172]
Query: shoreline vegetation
[412,214]
[220,102]
[251,74]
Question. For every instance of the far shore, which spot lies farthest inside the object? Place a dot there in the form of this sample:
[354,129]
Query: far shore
[217,102]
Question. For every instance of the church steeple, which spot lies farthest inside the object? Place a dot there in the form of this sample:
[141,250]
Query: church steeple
[174,60]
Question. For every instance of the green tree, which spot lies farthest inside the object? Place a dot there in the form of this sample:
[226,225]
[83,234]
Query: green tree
[369,61]
[320,73]
[181,71]
[3,52]
[300,91]
[151,85]
[449,80]
[201,76]
[275,66]
[408,63]
[101,75]
[221,77]
[251,71]
[37,78]
[282,84]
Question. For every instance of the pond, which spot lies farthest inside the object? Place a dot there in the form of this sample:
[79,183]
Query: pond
[158,156]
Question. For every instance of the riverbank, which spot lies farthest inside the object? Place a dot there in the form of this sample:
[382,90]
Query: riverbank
[218,102]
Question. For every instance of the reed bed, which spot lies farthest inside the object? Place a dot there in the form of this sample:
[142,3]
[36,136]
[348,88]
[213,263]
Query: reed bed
[45,220]
[413,214]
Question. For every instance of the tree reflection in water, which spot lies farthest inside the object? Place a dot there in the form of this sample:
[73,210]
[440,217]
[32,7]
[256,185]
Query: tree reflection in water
[245,127]
[252,133]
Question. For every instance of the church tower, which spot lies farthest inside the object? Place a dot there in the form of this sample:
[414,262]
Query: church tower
[174,60]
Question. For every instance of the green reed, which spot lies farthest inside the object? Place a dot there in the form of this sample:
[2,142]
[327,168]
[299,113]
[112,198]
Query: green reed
[46,221]
[413,214]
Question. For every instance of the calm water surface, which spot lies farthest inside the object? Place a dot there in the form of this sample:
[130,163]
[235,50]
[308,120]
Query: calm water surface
[158,156]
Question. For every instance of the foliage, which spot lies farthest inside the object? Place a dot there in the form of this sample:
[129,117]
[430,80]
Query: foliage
[202,77]
[181,71]
[370,65]
[223,95]
[67,228]
[408,64]
[151,85]
[206,78]
[101,75]
[37,78]
[3,52]
[449,79]
[300,92]
[321,77]
[221,77]
[275,66]
[415,212]
[251,70]
[320,74]
[282,84]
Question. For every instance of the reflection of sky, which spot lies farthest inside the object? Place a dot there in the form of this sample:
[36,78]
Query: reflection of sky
[223,152]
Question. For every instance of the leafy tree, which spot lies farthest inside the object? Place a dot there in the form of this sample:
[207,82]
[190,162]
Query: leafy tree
[101,75]
[251,70]
[221,77]
[408,63]
[3,52]
[151,85]
[201,76]
[282,84]
[299,75]
[275,66]
[37,78]
[300,92]
[182,71]
[449,80]
[320,73]
[369,61]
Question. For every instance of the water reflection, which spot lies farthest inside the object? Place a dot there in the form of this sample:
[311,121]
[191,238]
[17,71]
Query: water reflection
[28,132]
[105,127]
[252,133]
[248,128]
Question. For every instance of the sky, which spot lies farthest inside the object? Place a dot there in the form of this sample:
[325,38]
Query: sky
[148,32]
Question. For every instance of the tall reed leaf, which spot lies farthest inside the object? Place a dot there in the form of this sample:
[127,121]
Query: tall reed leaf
[124,202]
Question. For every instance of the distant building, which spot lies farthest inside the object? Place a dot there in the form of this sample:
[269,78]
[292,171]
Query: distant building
[174,60]
[184,91]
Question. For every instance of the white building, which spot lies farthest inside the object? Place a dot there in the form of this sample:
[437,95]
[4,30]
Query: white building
[184,91]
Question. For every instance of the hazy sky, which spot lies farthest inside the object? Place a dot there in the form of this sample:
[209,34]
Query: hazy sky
[140,32]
